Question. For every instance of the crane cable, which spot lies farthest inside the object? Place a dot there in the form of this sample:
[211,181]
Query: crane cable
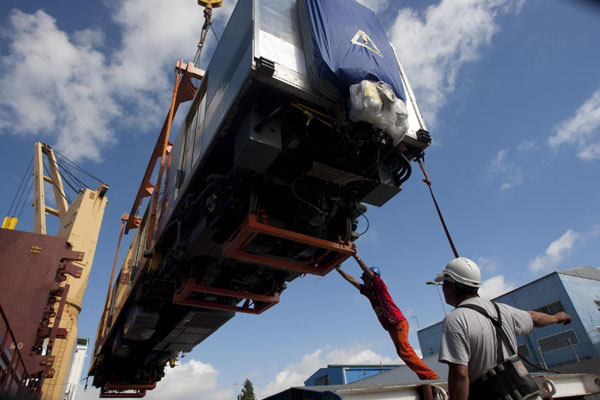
[20,191]
[207,25]
[437,207]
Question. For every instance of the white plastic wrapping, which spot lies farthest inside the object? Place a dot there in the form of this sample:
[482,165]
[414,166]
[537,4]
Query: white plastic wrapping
[376,103]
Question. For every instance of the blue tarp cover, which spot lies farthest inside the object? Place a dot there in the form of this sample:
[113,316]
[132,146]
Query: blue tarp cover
[350,45]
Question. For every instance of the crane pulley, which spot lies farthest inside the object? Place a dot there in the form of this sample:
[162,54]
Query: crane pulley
[208,7]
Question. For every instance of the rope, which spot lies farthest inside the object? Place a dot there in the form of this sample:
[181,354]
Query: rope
[214,33]
[437,207]
[78,167]
[25,198]
[64,195]
[207,25]
[67,181]
[20,190]
[82,185]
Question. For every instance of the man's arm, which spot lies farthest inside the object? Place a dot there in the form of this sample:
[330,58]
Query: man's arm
[540,319]
[458,381]
[347,277]
[363,266]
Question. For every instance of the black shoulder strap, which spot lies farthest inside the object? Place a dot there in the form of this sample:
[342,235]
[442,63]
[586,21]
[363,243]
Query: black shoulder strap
[500,334]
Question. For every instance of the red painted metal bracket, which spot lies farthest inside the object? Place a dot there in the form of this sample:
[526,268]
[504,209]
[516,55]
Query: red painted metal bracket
[260,302]
[122,395]
[120,390]
[252,227]
[185,92]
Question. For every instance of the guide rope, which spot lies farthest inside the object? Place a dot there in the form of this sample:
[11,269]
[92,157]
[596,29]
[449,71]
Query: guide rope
[437,207]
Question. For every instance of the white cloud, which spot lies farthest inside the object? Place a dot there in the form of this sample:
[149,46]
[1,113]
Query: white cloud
[52,86]
[582,130]
[189,381]
[434,47]
[62,88]
[494,287]
[508,171]
[488,263]
[526,145]
[198,380]
[555,253]
[375,5]
[296,373]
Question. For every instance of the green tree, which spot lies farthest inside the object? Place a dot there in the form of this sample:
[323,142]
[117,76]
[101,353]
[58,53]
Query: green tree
[247,391]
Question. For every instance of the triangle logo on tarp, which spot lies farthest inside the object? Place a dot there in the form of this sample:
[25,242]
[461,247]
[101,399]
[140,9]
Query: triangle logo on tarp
[362,39]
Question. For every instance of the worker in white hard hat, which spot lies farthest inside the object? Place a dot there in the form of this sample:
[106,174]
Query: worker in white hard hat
[479,337]
[389,315]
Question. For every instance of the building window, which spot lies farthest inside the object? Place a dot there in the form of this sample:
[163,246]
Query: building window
[558,341]
[322,381]
[597,303]
[524,351]
[552,308]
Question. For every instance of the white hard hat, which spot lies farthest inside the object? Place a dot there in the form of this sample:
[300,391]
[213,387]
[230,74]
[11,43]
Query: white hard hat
[462,270]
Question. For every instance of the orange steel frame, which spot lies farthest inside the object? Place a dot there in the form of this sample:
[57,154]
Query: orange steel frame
[252,227]
[118,390]
[182,92]
[190,287]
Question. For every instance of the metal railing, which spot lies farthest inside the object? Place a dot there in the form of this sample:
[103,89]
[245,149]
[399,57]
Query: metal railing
[14,378]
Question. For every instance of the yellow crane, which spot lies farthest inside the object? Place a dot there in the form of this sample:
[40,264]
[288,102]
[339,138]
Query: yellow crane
[79,225]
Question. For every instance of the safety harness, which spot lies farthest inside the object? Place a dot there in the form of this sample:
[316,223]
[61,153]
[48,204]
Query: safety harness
[509,379]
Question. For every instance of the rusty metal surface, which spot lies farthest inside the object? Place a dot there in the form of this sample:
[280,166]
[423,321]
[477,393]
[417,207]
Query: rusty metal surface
[31,268]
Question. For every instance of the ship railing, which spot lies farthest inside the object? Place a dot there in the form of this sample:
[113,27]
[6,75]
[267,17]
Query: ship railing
[15,381]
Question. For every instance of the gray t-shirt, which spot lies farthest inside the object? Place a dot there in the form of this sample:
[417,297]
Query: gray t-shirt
[469,338]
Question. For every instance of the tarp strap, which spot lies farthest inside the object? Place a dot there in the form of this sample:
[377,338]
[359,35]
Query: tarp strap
[437,207]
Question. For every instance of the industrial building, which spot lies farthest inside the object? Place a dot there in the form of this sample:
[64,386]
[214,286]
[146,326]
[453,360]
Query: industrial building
[342,374]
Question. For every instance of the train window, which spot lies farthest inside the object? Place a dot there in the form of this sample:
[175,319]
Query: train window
[199,126]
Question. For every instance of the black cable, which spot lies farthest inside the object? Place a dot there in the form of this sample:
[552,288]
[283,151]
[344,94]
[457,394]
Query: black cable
[407,170]
[24,192]
[25,199]
[63,194]
[304,201]
[68,182]
[78,167]
[214,33]
[19,188]
[82,185]
[368,225]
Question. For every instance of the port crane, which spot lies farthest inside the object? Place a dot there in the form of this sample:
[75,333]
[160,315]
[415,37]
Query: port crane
[46,275]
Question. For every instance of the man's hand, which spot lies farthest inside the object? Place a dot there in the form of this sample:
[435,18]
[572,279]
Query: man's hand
[540,319]
[563,318]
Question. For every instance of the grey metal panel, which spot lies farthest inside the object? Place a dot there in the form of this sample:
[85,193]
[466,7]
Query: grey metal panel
[173,190]
[228,69]
[199,143]
[257,149]
[277,38]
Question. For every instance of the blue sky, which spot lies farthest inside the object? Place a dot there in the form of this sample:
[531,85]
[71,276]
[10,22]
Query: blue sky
[510,90]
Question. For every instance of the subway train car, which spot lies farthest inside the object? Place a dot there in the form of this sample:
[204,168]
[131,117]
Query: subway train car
[280,153]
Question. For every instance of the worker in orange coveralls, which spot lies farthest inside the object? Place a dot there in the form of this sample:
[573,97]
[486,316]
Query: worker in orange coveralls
[389,315]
